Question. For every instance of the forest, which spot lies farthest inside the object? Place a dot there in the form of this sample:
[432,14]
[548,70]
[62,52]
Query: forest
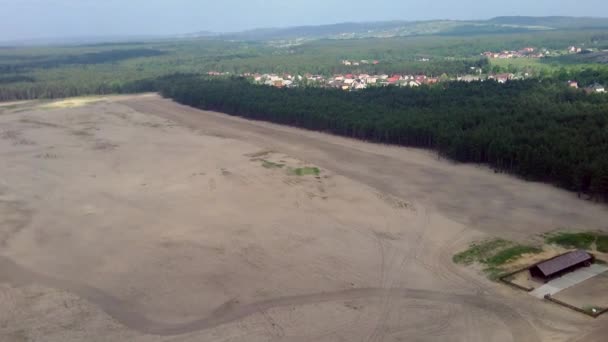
[72,70]
[538,128]
[540,131]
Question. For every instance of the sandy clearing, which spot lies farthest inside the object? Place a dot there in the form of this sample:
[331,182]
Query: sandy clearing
[586,293]
[472,195]
[121,225]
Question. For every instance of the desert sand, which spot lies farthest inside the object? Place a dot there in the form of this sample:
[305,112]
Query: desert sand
[132,218]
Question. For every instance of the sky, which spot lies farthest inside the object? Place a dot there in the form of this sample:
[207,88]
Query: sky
[27,19]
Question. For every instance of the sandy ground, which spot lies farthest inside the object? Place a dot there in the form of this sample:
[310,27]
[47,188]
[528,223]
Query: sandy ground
[135,219]
[586,293]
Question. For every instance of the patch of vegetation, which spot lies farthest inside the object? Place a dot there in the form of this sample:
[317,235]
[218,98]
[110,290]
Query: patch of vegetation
[494,273]
[494,254]
[601,244]
[271,165]
[479,251]
[305,171]
[592,309]
[511,254]
[579,240]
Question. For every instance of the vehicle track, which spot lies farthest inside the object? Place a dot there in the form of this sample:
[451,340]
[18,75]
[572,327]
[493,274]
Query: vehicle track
[123,312]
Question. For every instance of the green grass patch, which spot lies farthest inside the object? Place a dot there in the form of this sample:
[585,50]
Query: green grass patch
[305,171]
[602,243]
[271,165]
[511,254]
[478,252]
[493,255]
[522,64]
[494,273]
[579,240]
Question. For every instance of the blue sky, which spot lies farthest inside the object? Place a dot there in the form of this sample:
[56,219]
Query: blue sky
[20,19]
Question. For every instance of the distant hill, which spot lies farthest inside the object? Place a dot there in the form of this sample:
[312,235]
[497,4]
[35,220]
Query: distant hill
[353,30]
[553,22]
[416,28]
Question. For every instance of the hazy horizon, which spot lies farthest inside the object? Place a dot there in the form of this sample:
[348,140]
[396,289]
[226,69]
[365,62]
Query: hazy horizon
[52,19]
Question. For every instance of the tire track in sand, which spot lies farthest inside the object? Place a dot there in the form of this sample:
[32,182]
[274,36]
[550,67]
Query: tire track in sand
[121,311]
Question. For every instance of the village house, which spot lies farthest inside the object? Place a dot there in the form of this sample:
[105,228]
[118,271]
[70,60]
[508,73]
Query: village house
[392,80]
[420,78]
[501,78]
[596,88]
[359,84]
[573,84]
[528,52]
[469,78]
[345,82]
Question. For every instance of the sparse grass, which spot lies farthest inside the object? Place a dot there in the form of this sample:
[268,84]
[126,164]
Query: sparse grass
[72,102]
[304,171]
[493,255]
[494,273]
[8,107]
[511,254]
[479,251]
[592,309]
[601,244]
[579,240]
[271,165]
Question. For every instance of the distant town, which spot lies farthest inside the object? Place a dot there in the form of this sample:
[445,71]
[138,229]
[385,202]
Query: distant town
[532,52]
[352,82]
[357,81]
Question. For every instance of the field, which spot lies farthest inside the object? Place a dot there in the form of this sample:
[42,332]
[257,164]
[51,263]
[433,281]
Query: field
[134,218]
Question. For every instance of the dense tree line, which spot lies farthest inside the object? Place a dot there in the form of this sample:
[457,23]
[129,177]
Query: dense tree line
[538,130]
[47,62]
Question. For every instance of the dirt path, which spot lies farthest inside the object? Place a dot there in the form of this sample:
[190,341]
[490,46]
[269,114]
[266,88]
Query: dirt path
[494,203]
[233,310]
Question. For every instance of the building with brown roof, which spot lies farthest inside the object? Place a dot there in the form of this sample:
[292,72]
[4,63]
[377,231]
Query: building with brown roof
[561,264]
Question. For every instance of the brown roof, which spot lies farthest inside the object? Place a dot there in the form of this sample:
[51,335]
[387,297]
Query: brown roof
[563,262]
